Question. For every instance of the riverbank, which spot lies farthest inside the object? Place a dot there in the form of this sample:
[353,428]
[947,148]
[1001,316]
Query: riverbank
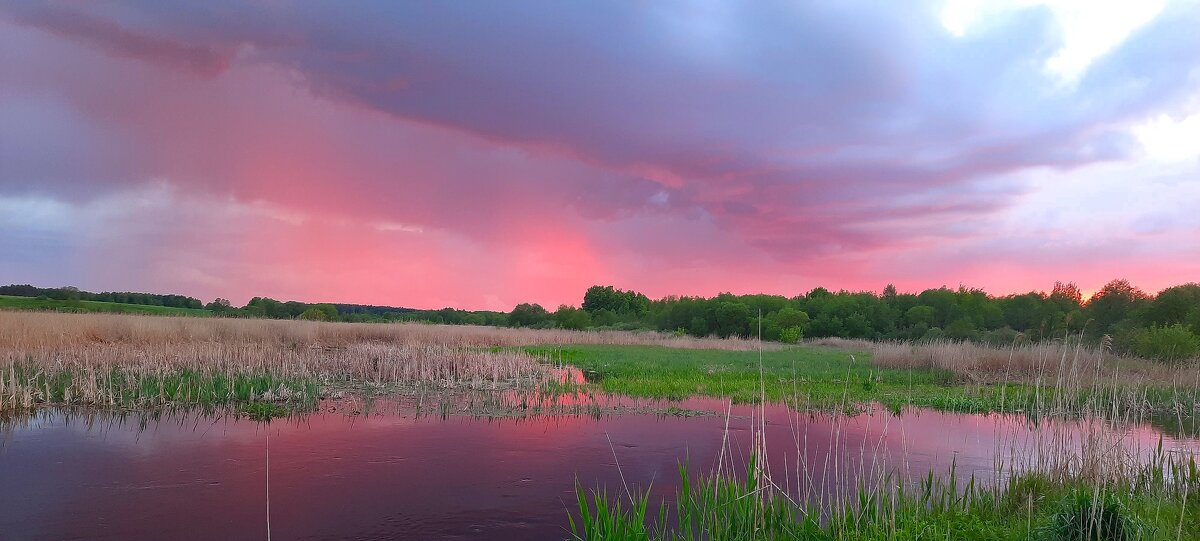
[135,362]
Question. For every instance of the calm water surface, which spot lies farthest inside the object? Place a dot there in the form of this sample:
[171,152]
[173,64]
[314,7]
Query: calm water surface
[395,475]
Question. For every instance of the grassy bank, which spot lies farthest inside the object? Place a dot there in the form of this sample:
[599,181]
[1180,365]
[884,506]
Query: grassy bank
[1032,506]
[140,362]
[823,377]
[51,305]
[128,361]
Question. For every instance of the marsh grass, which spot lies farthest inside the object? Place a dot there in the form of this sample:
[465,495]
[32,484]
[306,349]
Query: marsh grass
[1029,507]
[849,379]
[1083,475]
[1022,362]
[128,361]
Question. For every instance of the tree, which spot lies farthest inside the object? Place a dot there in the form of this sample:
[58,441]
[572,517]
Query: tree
[1067,292]
[1174,305]
[328,310]
[920,315]
[219,306]
[1115,302]
[788,317]
[1022,312]
[313,314]
[67,293]
[731,319]
[598,298]
[569,317]
[962,329]
[526,315]
[1174,343]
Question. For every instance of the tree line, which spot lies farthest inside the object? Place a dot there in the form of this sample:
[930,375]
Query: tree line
[70,293]
[1123,317]
[1165,325]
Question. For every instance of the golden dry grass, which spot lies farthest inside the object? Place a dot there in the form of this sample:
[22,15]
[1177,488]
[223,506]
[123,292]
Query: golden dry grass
[1024,363]
[46,329]
[111,360]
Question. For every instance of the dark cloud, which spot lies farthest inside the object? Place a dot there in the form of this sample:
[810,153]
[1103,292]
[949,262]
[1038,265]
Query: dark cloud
[801,127]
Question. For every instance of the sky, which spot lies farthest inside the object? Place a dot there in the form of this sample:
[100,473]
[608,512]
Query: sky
[481,154]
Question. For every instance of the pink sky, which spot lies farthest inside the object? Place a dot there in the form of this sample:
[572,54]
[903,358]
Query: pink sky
[441,156]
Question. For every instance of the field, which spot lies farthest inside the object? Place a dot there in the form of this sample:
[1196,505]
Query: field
[8,302]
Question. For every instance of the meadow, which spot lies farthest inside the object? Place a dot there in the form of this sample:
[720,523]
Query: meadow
[9,302]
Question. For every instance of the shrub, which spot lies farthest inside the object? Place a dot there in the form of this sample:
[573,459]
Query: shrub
[933,335]
[1173,343]
[1086,516]
[313,314]
[790,335]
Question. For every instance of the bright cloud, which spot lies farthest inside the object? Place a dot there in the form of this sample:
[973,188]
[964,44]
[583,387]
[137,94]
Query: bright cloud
[1087,29]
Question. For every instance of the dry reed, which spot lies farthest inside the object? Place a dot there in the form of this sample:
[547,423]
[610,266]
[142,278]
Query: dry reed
[1022,362]
[114,360]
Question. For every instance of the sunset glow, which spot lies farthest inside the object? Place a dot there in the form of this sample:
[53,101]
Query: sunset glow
[481,155]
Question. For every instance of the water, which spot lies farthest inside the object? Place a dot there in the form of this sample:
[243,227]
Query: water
[395,475]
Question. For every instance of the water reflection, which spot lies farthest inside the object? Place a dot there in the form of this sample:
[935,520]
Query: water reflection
[385,471]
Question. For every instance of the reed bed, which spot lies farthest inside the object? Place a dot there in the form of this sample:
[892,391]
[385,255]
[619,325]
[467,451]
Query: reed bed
[1073,469]
[1072,482]
[111,360]
[1024,362]
[37,329]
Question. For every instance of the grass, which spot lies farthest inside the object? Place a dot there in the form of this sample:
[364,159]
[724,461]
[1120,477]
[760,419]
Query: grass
[1026,507]
[263,411]
[8,302]
[124,361]
[815,377]
[133,361]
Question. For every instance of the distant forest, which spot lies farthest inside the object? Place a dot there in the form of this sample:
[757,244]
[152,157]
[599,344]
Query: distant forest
[1120,316]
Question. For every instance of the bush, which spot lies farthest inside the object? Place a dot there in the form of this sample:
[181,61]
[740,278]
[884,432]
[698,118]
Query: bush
[1173,343]
[790,335]
[313,314]
[1085,516]
[933,335]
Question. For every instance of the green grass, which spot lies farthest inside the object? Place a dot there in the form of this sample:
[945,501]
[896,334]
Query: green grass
[802,376]
[32,303]
[1030,507]
[263,411]
[176,388]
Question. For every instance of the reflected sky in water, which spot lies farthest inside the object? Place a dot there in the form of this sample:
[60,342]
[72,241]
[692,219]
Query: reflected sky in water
[391,474]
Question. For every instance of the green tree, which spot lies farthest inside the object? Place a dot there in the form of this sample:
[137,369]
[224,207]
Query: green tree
[1116,301]
[1174,305]
[330,311]
[1173,343]
[314,314]
[731,319]
[920,315]
[220,306]
[569,317]
[527,315]
[788,317]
